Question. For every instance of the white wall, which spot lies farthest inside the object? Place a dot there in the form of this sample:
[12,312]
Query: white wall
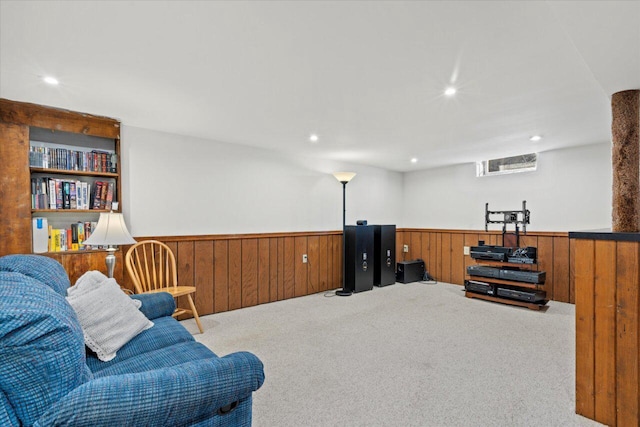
[570,191]
[179,185]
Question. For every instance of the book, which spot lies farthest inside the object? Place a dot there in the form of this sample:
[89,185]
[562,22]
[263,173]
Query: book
[73,197]
[66,195]
[97,194]
[52,193]
[56,244]
[81,238]
[103,196]
[74,237]
[109,199]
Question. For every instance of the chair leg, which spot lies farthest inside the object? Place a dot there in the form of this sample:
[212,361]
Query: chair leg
[195,314]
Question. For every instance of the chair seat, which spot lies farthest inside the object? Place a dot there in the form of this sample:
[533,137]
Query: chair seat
[176,291]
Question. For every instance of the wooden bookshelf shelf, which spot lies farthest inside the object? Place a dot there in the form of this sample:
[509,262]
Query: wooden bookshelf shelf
[74,172]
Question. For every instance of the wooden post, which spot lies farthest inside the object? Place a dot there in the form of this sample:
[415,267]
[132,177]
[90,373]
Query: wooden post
[625,127]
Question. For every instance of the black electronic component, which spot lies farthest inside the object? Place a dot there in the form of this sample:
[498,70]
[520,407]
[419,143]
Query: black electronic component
[528,255]
[479,287]
[521,295]
[536,277]
[493,253]
[483,271]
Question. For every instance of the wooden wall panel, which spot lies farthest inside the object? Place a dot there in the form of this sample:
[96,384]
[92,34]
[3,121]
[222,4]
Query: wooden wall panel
[289,267]
[585,329]
[627,345]
[264,270]
[561,269]
[323,262]
[281,263]
[301,270]
[400,241]
[273,269]
[604,332]
[606,274]
[545,263]
[445,257]
[313,266]
[424,251]
[415,246]
[221,271]
[469,240]
[434,255]
[235,274]
[337,262]
[204,277]
[457,259]
[186,274]
[249,269]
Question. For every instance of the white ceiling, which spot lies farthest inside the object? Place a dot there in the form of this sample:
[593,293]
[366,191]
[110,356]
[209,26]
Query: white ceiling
[366,76]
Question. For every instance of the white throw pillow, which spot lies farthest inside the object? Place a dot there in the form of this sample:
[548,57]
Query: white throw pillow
[108,317]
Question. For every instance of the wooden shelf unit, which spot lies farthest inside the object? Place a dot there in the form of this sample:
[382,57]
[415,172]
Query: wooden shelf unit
[510,283]
[22,124]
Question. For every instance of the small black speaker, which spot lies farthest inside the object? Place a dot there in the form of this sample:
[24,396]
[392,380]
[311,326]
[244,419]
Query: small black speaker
[361,222]
[410,271]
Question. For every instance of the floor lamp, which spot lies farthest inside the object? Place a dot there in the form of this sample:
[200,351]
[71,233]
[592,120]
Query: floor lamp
[344,178]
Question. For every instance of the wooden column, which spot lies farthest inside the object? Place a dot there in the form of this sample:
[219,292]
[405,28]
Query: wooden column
[625,107]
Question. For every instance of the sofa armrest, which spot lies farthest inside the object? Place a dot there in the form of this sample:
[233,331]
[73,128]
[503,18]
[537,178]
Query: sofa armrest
[156,305]
[180,395]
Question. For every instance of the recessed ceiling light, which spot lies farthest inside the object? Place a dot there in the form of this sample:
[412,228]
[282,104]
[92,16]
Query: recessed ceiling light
[450,91]
[414,160]
[51,80]
[313,137]
[535,138]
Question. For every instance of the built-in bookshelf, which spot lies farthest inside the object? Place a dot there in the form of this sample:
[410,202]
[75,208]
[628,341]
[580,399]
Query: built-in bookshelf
[61,169]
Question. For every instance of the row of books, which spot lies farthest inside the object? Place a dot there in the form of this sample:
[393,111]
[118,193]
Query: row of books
[72,238]
[54,193]
[72,160]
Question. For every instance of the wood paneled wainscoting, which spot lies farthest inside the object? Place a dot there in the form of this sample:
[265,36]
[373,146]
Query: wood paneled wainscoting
[443,254]
[607,278]
[243,270]
[236,271]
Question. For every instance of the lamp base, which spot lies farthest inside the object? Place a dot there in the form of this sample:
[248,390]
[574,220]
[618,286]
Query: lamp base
[110,260]
[343,293]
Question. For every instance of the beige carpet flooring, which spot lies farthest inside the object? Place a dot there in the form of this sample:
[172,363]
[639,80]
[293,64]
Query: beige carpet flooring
[405,355]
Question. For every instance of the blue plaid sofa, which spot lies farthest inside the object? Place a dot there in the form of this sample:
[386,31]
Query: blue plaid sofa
[160,378]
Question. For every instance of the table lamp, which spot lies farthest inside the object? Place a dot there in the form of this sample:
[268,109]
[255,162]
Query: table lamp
[110,231]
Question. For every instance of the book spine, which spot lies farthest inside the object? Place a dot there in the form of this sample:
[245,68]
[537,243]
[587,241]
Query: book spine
[97,194]
[66,195]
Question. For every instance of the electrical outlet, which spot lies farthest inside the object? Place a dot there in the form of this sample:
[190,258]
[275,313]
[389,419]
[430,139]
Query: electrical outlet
[305,259]
[405,248]
[467,250]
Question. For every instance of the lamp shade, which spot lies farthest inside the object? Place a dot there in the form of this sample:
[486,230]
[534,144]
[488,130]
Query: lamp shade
[111,230]
[344,176]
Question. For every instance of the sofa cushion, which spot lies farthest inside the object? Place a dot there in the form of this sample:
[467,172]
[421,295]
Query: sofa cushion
[7,414]
[166,332]
[41,346]
[109,318]
[44,269]
[165,357]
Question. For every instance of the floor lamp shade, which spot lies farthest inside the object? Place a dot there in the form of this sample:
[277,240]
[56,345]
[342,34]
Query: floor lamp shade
[344,177]
[111,230]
